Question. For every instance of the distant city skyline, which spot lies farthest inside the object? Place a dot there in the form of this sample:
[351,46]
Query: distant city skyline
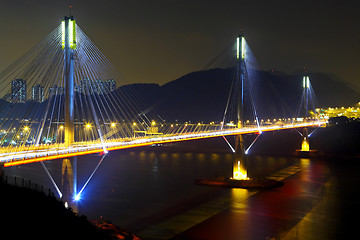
[18,91]
[37,93]
[19,87]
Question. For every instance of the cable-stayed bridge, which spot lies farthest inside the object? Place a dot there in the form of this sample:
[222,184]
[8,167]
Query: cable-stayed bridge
[75,108]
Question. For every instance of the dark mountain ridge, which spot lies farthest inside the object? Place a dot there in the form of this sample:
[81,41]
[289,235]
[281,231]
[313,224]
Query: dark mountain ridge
[202,96]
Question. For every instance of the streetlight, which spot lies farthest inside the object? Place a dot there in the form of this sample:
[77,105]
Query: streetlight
[60,133]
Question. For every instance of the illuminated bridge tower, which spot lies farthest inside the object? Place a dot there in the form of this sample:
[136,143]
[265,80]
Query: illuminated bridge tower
[239,162]
[68,172]
[305,147]
[69,44]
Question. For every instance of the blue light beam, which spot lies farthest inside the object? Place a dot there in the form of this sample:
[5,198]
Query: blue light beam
[78,196]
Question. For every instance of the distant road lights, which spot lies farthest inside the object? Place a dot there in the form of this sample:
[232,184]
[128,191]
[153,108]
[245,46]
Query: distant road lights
[61,127]
[134,124]
[26,128]
[88,126]
[113,124]
[153,123]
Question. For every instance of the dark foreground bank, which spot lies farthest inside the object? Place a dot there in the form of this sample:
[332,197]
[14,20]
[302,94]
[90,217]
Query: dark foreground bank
[36,214]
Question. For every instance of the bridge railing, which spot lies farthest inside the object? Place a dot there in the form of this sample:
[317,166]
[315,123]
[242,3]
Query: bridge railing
[26,183]
[52,151]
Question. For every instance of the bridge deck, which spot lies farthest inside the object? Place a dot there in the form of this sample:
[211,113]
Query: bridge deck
[18,156]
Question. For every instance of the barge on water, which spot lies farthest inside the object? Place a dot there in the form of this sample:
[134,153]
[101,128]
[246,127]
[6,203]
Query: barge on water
[233,183]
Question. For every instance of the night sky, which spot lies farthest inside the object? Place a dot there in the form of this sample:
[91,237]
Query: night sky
[161,40]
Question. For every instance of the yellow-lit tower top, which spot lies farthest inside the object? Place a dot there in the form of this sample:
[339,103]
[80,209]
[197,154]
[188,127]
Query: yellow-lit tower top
[71,30]
[240,47]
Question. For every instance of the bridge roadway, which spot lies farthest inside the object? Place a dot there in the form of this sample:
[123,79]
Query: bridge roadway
[18,156]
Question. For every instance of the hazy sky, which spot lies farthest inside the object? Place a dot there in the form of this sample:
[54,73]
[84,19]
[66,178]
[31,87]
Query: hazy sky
[161,40]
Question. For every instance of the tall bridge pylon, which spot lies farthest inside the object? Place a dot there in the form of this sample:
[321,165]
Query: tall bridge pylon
[69,44]
[68,177]
[239,162]
[305,146]
[307,105]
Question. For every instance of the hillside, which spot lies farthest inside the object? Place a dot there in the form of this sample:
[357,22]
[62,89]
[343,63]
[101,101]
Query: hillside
[202,96]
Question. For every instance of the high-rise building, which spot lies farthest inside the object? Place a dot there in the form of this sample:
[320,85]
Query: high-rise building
[85,86]
[56,90]
[18,91]
[98,86]
[111,85]
[37,93]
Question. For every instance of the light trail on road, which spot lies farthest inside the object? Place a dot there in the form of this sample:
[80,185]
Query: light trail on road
[52,152]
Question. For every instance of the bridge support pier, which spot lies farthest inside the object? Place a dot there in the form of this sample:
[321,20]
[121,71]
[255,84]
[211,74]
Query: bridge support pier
[305,151]
[305,146]
[239,161]
[68,183]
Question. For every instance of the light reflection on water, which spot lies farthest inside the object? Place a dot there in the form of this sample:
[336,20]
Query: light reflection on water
[239,199]
[134,184]
[133,187]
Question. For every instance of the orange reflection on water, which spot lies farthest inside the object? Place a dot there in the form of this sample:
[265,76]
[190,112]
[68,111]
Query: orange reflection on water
[239,198]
